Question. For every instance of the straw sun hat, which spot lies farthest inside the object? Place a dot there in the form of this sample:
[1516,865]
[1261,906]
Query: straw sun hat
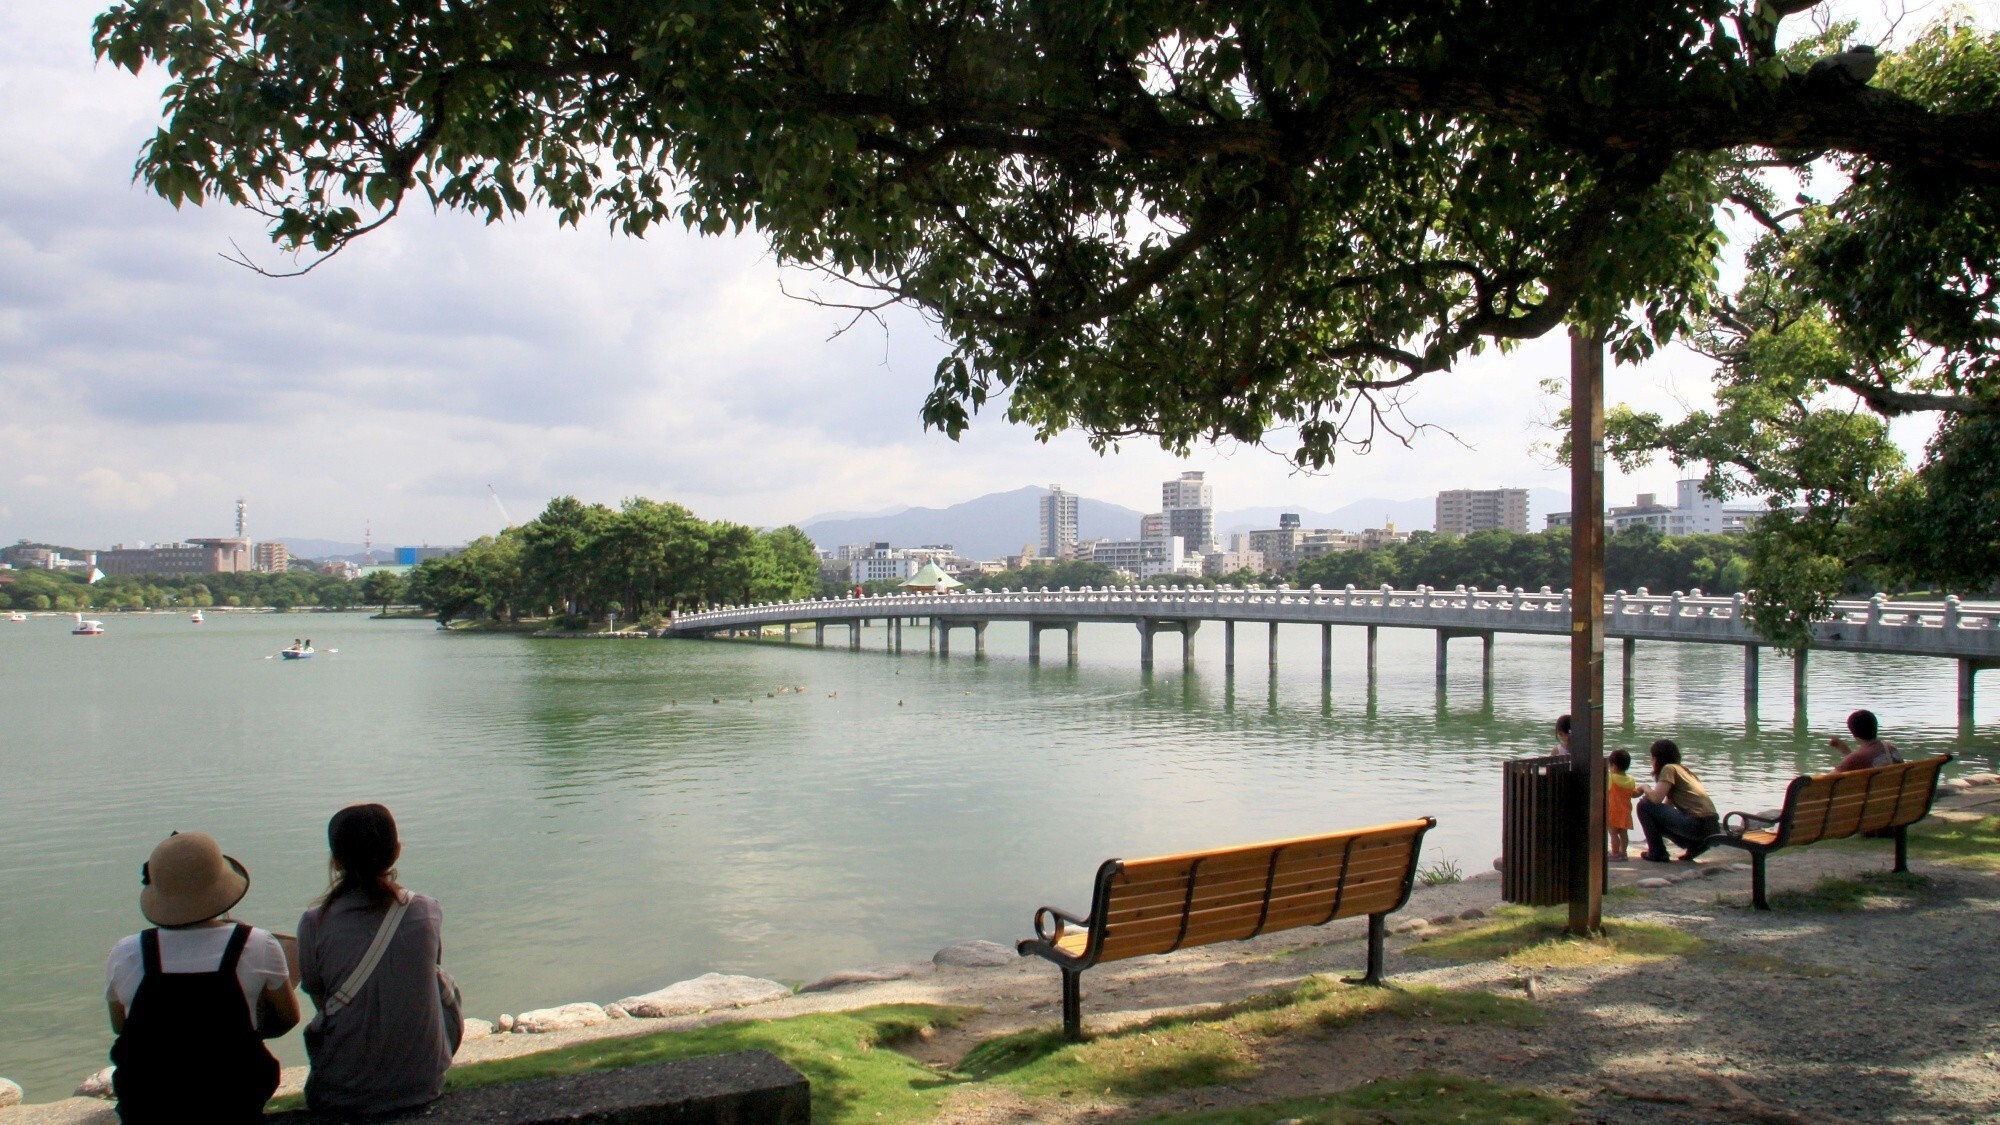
[189,880]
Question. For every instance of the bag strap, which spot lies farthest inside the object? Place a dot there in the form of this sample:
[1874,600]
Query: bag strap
[349,988]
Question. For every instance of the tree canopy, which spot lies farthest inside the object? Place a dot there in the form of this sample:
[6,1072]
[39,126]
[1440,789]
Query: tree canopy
[1254,221]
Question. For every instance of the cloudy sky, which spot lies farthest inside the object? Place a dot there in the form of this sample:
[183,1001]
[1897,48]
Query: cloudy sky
[146,383]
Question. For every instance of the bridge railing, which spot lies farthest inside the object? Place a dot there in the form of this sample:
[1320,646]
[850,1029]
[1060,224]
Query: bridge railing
[1876,612]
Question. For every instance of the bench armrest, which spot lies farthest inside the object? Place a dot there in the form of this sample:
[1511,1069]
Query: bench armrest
[1743,820]
[1063,919]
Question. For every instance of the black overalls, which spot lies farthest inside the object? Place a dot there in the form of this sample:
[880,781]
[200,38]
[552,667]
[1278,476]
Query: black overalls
[189,1051]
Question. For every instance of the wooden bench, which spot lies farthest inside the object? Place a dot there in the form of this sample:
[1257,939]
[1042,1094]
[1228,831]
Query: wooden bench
[1830,806]
[1158,905]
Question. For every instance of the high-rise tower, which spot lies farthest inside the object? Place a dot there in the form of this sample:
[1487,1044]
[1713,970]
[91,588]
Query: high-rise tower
[1058,524]
[1188,506]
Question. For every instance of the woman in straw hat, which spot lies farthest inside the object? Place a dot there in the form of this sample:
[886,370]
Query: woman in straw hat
[193,1000]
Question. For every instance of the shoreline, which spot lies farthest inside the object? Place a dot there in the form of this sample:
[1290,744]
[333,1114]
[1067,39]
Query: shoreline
[1016,993]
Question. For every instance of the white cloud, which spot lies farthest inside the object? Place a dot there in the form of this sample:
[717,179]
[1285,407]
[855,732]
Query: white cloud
[148,383]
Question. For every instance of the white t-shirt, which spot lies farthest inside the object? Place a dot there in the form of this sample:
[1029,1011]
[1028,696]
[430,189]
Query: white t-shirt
[199,950]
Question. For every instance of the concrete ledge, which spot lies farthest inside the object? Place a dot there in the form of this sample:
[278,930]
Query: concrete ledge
[738,1089]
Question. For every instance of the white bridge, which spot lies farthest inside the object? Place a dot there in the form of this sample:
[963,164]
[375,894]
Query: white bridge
[1966,632]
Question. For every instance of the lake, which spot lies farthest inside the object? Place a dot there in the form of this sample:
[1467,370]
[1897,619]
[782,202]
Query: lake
[596,824]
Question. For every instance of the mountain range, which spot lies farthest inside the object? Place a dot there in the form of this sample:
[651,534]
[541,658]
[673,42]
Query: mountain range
[998,523]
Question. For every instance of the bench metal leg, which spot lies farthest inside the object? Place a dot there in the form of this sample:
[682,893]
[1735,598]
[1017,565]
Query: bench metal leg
[1902,849]
[1757,881]
[1377,925]
[1072,1004]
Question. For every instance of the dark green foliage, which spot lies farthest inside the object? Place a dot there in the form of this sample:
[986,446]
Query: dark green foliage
[641,560]
[1641,557]
[1054,575]
[63,592]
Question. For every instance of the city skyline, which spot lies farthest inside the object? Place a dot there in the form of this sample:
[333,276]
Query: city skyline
[149,382]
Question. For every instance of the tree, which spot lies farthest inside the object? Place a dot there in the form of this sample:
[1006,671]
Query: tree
[1186,220]
[787,566]
[382,587]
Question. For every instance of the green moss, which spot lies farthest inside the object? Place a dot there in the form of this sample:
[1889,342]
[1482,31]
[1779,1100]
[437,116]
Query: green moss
[1424,1098]
[1835,894]
[1216,1046]
[1538,938]
[852,1080]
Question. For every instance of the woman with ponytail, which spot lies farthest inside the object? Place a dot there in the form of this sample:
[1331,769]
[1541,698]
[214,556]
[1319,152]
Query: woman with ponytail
[368,957]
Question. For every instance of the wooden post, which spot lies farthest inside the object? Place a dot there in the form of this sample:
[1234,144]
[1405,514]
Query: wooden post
[1586,638]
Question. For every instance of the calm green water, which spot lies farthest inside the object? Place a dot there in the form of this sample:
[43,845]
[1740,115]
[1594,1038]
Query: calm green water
[596,826]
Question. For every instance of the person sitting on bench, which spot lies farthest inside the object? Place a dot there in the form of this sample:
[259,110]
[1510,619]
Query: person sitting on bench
[1872,751]
[1675,807]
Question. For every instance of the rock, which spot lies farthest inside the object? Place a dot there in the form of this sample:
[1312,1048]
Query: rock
[477,1029]
[1471,913]
[1717,869]
[616,1012]
[10,1094]
[1496,862]
[1982,779]
[97,1085]
[1957,783]
[1684,876]
[1444,920]
[1739,867]
[506,1022]
[975,955]
[568,1017]
[1654,883]
[704,993]
[867,976]
[1409,926]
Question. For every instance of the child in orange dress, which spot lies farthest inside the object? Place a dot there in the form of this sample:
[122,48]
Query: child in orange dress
[1619,790]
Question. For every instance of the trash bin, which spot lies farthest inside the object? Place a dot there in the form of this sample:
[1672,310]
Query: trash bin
[1540,805]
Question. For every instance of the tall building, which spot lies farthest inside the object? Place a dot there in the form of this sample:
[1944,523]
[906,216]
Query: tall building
[1694,513]
[1462,511]
[1058,537]
[274,558]
[1188,505]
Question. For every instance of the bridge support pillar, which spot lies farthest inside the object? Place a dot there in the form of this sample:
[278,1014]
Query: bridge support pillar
[1072,630]
[1751,661]
[1486,662]
[1187,642]
[1229,646]
[1373,635]
[819,634]
[943,630]
[854,634]
[1274,644]
[1146,645]
[1442,638]
[788,632]
[1326,653]
[1799,686]
[979,640]
[1034,642]
[1968,668]
[896,635]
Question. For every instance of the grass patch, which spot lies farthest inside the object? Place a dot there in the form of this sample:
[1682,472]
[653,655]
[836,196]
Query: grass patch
[1216,1046]
[1424,1098]
[1836,894]
[1530,937]
[1971,843]
[852,1080]
[1442,873]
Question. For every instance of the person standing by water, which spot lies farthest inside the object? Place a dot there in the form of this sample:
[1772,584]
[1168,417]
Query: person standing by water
[382,1039]
[1562,736]
[1675,807]
[1872,750]
[193,1000]
[1619,790]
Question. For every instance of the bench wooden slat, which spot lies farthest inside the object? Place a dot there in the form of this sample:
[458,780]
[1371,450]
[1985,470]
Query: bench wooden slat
[1832,806]
[1163,903]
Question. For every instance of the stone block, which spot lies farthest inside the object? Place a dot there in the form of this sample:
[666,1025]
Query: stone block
[735,1089]
[975,955]
[708,992]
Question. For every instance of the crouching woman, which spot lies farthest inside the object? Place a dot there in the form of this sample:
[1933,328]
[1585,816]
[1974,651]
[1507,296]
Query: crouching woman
[194,999]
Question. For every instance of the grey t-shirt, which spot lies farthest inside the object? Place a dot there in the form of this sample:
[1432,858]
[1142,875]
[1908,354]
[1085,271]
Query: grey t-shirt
[386,1050]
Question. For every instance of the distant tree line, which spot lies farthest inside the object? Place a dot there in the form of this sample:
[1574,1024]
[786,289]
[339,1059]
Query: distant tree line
[1713,564]
[642,560]
[66,592]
